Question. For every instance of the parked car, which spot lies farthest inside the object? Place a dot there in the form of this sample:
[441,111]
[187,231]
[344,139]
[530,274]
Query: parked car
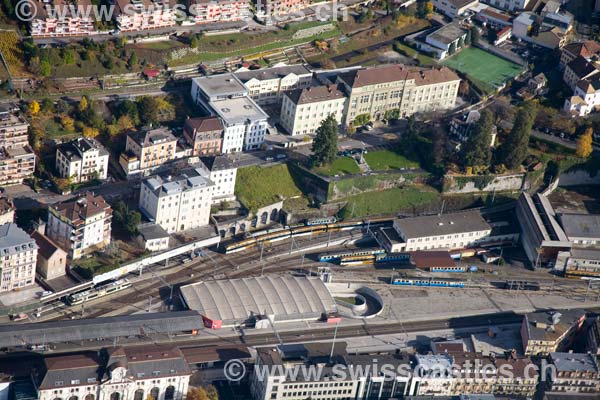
[18,317]
[280,156]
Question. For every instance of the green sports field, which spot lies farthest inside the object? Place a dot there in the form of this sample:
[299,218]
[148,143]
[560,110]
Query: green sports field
[482,66]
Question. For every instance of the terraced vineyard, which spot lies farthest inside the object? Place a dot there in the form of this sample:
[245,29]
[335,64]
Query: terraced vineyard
[12,53]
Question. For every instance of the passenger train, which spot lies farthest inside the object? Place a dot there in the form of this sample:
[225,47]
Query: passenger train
[94,293]
[428,282]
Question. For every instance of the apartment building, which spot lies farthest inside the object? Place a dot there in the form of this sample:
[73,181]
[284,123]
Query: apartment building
[532,28]
[267,85]
[58,18]
[586,97]
[81,225]
[82,160]
[454,8]
[146,372]
[52,259]
[222,172]
[13,131]
[18,255]
[7,211]
[16,165]
[207,11]
[225,96]
[578,69]
[303,110]
[177,203]
[147,150]
[267,9]
[205,135]
[587,50]
[447,231]
[374,91]
[545,332]
[140,15]
[575,373]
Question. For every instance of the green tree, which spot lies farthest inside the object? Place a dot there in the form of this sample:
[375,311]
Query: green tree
[452,48]
[362,119]
[468,38]
[477,147]
[197,393]
[45,68]
[194,42]
[474,35]
[68,56]
[392,114]
[148,109]
[325,145]
[133,60]
[514,149]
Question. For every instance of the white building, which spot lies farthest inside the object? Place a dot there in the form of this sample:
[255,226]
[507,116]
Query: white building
[447,231]
[133,373]
[19,256]
[454,8]
[445,41]
[81,225]
[153,237]
[140,15]
[586,97]
[13,131]
[57,18]
[177,203]
[303,110]
[267,85]
[83,159]
[244,122]
[7,211]
[222,172]
[509,5]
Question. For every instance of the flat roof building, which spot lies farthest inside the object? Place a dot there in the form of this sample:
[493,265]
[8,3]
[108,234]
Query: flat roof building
[583,230]
[582,366]
[244,302]
[545,332]
[267,85]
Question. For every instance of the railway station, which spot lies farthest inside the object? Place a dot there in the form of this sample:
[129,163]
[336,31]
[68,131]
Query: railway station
[259,301]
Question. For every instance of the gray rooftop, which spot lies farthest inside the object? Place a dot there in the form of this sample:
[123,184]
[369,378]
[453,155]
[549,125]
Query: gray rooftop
[109,327]
[581,225]
[166,185]
[152,231]
[273,73]
[217,163]
[551,325]
[238,110]
[571,362]
[585,254]
[221,85]
[75,149]
[446,224]
[14,240]
[434,361]
[237,300]
[448,33]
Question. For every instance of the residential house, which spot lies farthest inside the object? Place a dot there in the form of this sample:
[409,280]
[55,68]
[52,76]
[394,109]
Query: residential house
[508,5]
[59,18]
[454,8]
[13,131]
[16,165]
[221,171]
[588,50]
[207,11]
[141,15]
[574,373]
[19,254]
[586,97]
[303,110]
[81,225]
[147,150]
[579,69]
[82,160]
[204,134]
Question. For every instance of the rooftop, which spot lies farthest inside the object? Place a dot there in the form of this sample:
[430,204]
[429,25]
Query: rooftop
[14,240]
[276,72]
[429,259]
[549,325]
[46,246]
[572,362]
[238,110]
[398,72]
[217,163]
[164,185]
[585,49]
[152,231]
[581,225]
[448,33]
[79,209]
[221,85]
[74,150]
[6,205]
[152,136]
[285,297]
[445,224]
[203,124]
[315,94]
[582,67]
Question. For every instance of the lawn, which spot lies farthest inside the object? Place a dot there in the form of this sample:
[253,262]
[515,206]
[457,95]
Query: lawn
[341,166]
[258,186]
[481,66]
[391,201]
[387,159]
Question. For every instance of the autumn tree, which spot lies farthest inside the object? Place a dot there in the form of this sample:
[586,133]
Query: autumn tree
[67,123]
[584,144]
[90,132]
[476,151]
[326,141]
[34,108]
[212,393]
[514,149]
[83,103]
[197,393]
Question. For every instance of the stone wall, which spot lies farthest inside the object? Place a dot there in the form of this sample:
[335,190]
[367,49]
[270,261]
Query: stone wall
[455,184]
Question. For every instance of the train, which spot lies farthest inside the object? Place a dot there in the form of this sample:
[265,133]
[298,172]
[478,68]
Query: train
[277,234]
[428,282]
[516,285]
[100,291]
[321,221]
[448,269]
[339,255]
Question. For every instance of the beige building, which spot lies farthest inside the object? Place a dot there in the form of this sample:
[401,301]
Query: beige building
[147,150]
[267,85]
[374,91]
[13,131]
[141,15]
[81,225]
[545,332]
[19,255]
[204,134]
[575,373]
[7,211]
[16,165]
[56,18]
[82,160]
[52,260]
[303,110]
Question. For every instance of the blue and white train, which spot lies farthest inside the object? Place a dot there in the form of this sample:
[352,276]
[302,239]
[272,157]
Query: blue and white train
[428,282]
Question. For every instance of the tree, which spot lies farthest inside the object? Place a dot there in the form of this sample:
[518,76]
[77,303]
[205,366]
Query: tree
[45,68]
[452,48]
[439,141]
[68,56]
[424,9]
[34,107]
[514,149]
[47,105]
[476,151]
[67,123]
[124,123]
[197,393]
[464,88]
[584,144]
[90,132]
[212,393]
[148,110]
[468,38]
[362,119]
[474,35]
[194,42]
[127,220]
[83,103]
[392,114]
[62,107]
[325,144]
[503,110]
[133,60]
